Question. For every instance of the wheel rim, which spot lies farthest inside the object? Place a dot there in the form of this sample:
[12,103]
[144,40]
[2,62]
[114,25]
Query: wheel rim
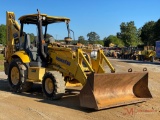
[49,86]
[15,75]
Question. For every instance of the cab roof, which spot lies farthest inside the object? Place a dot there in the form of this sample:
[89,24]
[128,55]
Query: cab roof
[32,19]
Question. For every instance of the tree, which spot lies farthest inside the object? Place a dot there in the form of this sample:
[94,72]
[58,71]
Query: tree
[32,37]
[101,42]
[3,34]
[147,33]
[93,37]
[48,36]
[156,29]
[113,39]
[129,33]
[106,42]
[139,40]
[81,40]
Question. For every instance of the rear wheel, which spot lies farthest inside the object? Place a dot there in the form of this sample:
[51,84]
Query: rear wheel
[17,77]
[53,85]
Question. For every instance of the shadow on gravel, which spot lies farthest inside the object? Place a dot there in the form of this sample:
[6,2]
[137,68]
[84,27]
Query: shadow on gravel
[35,92]
[69,100]
[4,85]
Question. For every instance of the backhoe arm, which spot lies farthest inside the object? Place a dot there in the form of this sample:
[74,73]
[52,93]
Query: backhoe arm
[13,32]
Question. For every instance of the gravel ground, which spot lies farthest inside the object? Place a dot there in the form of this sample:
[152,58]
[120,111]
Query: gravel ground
[32,105]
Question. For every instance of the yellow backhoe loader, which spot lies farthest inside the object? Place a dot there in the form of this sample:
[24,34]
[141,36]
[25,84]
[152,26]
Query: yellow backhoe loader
[54,65]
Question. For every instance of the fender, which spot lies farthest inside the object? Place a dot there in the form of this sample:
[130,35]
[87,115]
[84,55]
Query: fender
[22,55]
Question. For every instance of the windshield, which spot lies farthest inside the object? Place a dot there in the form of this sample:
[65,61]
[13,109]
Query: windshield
[57,30]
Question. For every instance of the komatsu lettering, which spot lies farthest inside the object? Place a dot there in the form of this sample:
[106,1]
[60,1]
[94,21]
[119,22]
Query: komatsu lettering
[63,61]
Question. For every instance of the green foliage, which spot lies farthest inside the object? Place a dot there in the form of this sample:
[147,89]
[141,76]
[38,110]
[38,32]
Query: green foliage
[156,29]
[1,65]
[100,42]
[147,33]
[129,33]
[93,37]
[139,40]
[81,40]
[74,42]
[32,37]
[1,57]
[113,39]
[3,34]
[48,36]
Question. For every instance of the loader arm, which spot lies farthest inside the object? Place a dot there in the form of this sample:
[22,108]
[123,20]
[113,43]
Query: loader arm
[98,64]
[75,64]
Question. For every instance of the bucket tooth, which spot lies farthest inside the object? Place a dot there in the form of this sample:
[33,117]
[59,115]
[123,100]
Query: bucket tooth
[108,90]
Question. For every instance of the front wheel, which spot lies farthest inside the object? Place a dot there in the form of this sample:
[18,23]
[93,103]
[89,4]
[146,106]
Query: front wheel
[53,85]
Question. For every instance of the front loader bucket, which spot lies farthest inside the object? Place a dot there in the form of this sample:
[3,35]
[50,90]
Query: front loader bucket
[106,90]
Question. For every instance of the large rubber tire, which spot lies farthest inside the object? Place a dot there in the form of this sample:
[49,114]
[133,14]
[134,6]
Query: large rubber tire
[53,85]
[134,57]
[17,76]
[27,86]
[151,59]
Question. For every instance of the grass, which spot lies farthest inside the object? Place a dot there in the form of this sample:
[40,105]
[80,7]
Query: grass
[1,67]
[1,57]
[1,62]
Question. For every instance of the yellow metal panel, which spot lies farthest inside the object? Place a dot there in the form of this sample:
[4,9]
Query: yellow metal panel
[80,75]
[23,55]
[95,64]
[100,69]
[73,83]
[65,60]
[36,73]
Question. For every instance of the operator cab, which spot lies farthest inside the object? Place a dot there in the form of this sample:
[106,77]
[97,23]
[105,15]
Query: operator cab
[38,50]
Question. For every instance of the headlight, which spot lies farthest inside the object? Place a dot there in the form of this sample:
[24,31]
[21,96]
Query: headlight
[94,54]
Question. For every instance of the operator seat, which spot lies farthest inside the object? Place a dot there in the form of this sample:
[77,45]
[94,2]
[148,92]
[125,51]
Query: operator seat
[31,50]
